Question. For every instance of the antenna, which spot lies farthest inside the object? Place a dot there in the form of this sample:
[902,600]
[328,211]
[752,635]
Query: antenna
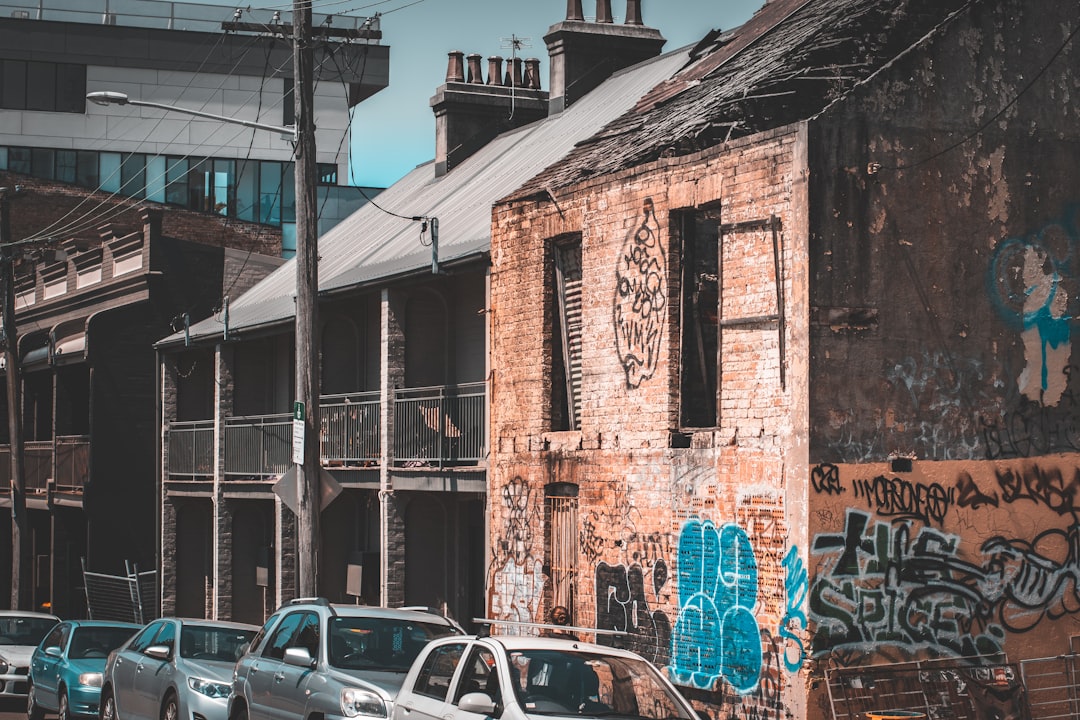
[513,44]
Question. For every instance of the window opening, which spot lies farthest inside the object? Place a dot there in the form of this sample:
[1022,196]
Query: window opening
[566,370]
[700,232]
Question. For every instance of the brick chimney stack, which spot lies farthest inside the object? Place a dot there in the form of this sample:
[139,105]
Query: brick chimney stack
[470,112]
[582,54]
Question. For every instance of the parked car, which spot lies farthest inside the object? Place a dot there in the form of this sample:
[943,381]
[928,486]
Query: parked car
[20,633]
[174,668]
[66,667]
[314,659]
[528,677]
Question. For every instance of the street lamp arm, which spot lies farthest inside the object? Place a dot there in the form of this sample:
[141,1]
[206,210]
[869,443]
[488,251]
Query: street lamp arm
[107,97]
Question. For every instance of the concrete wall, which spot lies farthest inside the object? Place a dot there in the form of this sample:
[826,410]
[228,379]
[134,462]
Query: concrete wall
[944,230]
[686,548]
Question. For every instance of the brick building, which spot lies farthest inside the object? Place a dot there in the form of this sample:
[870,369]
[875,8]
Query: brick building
[90,303]
[781,359]
[403,327]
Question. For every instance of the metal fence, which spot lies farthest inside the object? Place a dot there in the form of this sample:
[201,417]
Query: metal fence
[953,689]
[1053,686]
[440,425]
[191,448]
[350,429]
[37,465]
[126,598]
[258,445]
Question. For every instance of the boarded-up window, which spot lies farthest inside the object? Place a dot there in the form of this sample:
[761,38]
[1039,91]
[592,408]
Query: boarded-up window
[562,504]
[566,355]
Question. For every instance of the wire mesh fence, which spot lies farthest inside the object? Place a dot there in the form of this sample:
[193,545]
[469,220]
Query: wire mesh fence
[125,598]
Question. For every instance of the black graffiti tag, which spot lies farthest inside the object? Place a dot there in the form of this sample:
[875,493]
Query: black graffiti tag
[1048,487]
[899,498]
[969,495]
[826,479]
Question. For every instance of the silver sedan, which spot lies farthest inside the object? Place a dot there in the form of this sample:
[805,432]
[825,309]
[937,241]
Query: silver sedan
[174,669]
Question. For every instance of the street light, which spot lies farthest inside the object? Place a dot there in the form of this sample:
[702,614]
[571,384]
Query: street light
[109,97]
[308,467]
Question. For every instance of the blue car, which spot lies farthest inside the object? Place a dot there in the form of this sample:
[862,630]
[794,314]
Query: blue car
[66,667]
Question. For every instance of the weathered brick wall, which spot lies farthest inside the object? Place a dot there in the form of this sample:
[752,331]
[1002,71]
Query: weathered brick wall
[659,525]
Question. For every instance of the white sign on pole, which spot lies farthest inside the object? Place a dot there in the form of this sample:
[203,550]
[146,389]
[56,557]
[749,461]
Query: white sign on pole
[298,433]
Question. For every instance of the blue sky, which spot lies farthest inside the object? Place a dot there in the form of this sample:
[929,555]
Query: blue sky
[394,131]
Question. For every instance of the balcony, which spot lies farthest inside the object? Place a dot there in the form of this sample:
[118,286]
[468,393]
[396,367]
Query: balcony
[72,469]
[434,427]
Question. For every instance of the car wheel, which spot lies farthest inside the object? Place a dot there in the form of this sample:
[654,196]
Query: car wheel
[33,710]
[108,705]
[170,710]
[63,712]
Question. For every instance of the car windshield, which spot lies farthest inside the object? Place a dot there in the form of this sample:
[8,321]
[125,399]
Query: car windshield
[22,630]
[97,642]
[555,682]
[214,642]
[380,643]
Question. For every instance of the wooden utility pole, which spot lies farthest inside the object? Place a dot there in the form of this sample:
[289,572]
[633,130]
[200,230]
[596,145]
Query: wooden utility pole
[20,531]
[307,302]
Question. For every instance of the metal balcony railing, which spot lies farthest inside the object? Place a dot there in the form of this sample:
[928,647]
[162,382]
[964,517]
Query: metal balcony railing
[437,426]
[191,448]
[350,429]
[72,462]
[258,445]
[37,465]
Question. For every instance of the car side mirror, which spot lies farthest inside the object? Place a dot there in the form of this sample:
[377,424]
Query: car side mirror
[158,652]
[477,702]
[299,656]
[53,651]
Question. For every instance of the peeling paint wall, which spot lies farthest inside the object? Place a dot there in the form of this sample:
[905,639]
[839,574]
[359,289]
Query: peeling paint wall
[945,224]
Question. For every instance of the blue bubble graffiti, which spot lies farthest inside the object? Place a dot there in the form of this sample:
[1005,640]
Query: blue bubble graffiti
[797,583]
[716,635]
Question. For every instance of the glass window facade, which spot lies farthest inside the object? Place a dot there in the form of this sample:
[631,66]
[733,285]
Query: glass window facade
[253,190]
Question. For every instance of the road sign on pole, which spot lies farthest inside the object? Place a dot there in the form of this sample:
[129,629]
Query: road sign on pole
[298,433]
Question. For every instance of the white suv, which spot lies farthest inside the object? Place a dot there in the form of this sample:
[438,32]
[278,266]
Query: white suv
[314,659]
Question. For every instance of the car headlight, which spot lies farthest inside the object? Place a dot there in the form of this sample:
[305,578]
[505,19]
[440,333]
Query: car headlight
[355,701]
[4,667]
[90,679]
[209,688]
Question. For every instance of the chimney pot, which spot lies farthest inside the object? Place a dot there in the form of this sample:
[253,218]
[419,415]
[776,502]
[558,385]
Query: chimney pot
[455,69]
[532,73]
[633,12]
[513,73]
[476,76]
[495,70]
[573,10]
[603,11]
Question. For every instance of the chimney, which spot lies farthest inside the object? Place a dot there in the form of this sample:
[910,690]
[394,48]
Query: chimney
[470,112]
[583,55]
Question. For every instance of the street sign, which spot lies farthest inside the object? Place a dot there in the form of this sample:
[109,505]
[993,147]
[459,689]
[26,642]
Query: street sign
[299,412]
[287,489]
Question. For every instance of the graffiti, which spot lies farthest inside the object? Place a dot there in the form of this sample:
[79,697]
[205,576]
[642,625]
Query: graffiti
[764,703]
[904,499]
[622,603]
[794,622]
[1032,428]
[881,584]
[885,584]
[1028,280]
[968,494]
[826,479]
[517,577]
[640,300]
[1027,584]
[716,635]
[1047,487]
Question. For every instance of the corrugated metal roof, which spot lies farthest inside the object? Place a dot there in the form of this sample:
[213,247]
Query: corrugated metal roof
[371,246]
[787,63]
